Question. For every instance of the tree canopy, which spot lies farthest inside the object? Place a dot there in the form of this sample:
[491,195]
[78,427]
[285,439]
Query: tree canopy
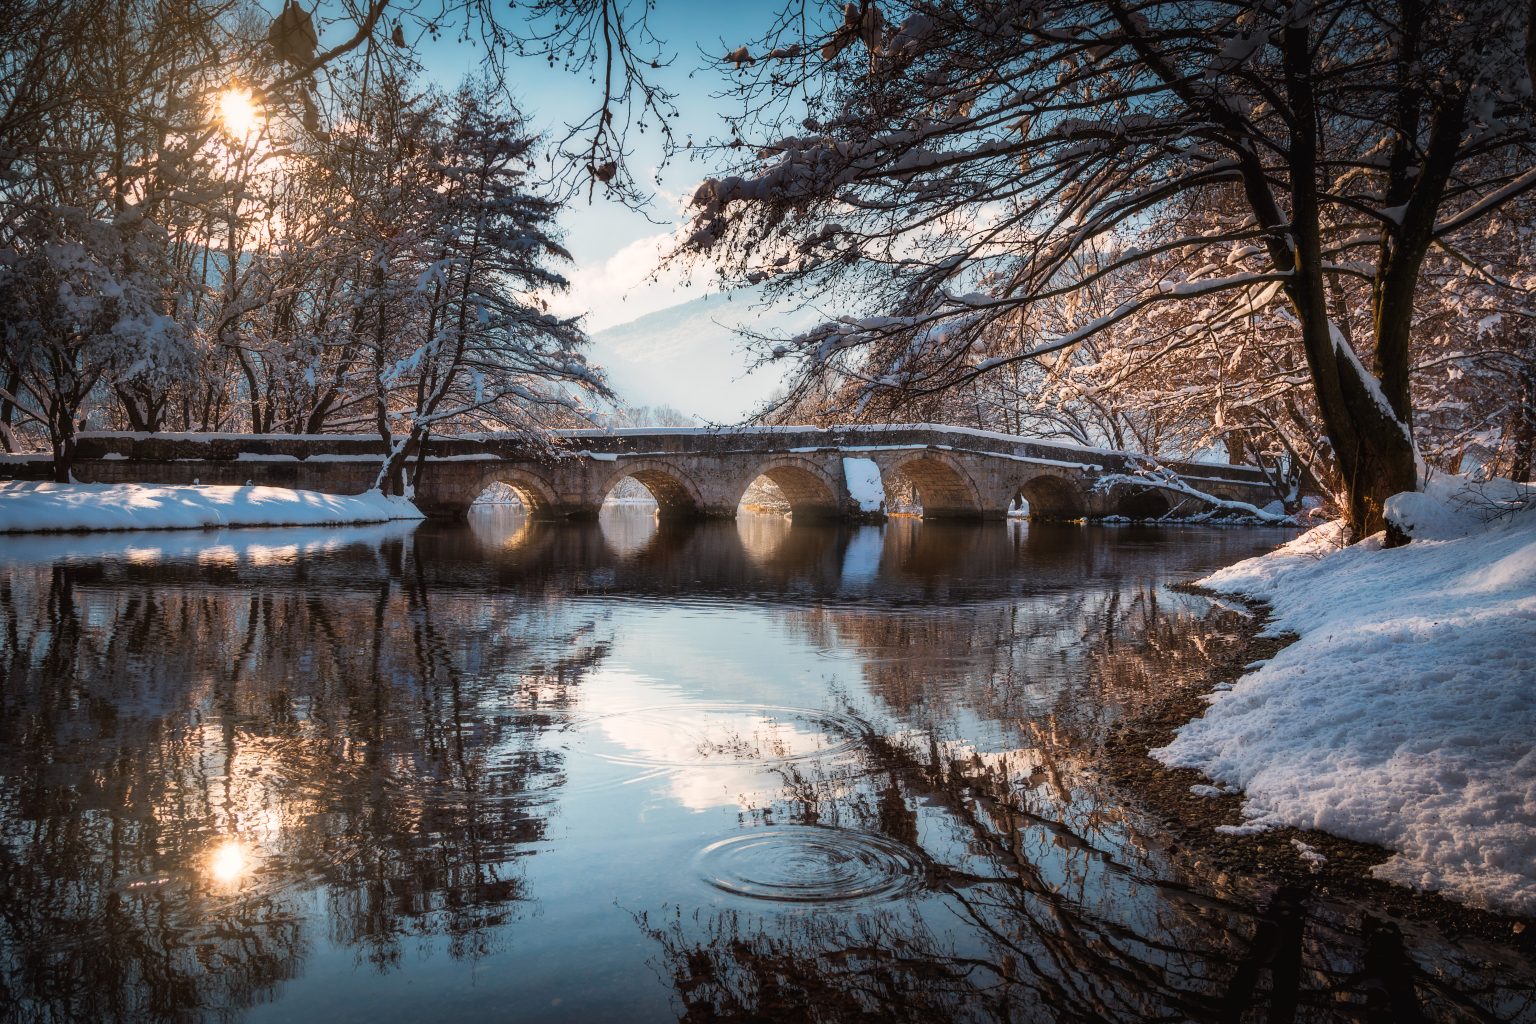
[1265,183]
[199,231]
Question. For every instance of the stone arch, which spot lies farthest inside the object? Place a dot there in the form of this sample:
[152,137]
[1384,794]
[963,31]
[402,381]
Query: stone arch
[1053,497]
[1141,502]
[943,486]
[536,493]
[810,492]
[675,493]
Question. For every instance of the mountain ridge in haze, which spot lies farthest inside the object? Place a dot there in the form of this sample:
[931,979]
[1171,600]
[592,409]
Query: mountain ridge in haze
[690,356]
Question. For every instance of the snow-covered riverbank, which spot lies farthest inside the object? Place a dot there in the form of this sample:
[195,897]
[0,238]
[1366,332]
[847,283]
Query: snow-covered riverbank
[1405,715]
[35,507]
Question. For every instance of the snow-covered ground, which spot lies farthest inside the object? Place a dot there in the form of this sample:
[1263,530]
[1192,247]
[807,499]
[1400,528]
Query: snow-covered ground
[31,506]
[1405,715]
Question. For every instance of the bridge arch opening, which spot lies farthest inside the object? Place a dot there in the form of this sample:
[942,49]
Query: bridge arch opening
[932,488]
[1142,503]
[788,487]
[629,493]
[674,494]
[510,491]
[499,496]
[764,497]
[1052,498]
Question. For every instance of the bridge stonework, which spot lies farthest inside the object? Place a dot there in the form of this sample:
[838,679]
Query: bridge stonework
[958,473]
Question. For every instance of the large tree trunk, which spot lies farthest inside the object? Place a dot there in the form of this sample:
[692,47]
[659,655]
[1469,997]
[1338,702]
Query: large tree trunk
[63,449]
[1236,440]
[391,478]
[1375,453]
[1368,427]
[130,406]
[1383,463]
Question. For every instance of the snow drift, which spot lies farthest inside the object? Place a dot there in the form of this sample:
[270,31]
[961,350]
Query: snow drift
[1405,715]
[28,506]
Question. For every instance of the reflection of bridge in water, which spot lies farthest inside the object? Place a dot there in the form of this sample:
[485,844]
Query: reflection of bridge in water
[957,473]
[903,563]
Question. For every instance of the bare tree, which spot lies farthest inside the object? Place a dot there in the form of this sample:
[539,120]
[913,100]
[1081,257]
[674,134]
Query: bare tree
[957,160]
[608,42]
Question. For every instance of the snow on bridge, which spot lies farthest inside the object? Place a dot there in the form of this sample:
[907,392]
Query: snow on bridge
[833,472]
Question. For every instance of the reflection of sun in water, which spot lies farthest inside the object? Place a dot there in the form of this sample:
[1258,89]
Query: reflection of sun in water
[229,862]
[238,112]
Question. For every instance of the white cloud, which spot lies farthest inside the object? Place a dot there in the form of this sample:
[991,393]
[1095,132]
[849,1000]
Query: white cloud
[625,286]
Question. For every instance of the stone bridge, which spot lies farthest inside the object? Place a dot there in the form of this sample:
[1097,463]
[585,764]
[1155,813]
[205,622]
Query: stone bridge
[697,472]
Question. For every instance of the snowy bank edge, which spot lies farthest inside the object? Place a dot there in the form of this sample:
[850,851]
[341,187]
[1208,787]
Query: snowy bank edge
[1401,715]
[36,507]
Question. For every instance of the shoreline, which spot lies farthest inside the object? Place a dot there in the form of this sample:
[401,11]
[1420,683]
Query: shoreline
[34,508]
[1269,857]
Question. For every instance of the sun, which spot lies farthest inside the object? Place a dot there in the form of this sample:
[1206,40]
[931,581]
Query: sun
[238,112]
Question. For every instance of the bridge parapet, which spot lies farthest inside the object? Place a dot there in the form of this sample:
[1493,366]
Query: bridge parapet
[877,436]
[959,473]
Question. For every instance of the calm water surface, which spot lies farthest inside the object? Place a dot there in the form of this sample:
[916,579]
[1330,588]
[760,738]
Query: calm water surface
[739,771]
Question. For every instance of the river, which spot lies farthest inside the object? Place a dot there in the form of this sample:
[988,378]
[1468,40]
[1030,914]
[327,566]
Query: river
[637,772]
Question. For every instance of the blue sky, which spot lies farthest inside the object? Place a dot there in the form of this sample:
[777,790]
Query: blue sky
[685,360]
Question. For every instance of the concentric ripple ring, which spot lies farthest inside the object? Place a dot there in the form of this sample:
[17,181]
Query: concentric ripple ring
[738,735]
[811,864]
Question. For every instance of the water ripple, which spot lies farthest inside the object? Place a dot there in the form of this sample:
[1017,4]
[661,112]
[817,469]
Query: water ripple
[811,864]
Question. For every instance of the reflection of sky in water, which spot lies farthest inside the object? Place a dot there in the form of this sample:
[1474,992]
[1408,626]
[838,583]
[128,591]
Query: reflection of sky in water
[513,771]
[861,561]
[701,755]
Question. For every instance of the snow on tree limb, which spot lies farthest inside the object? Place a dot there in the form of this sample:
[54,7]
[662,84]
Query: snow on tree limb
[1150,474]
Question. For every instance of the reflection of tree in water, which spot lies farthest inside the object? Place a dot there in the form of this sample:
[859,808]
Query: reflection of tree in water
[1049,899]
[337,720]
[890,966]
[1016,660]
[1029,921]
